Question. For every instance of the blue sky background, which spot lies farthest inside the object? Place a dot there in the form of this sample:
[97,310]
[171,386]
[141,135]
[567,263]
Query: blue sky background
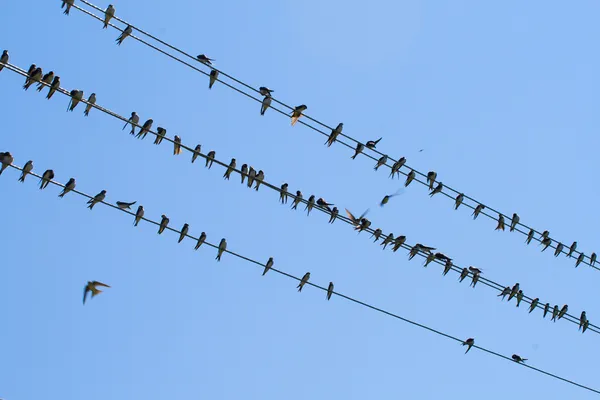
[503,100]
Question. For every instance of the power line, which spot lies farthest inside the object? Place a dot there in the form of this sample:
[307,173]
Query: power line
[527,230]
[346,297]
[487,282]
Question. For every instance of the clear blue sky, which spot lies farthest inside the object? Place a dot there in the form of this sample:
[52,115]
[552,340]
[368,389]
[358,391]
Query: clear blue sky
[503,100]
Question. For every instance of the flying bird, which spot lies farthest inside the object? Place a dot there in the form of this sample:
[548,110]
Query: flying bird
[329,290]
[200,241]
[204,60]
[163,224]
[108,14]
[133,120]
[92,286]
[222,248]
[469,342]
[356,221]
[387,198]
[214,74]
[68,187]
[124,34]
[268,266]
[305,279]
[184,232]
[124,205]
[97,199]
[372,144]
[91,101]
[138,215]
[297,113]
[26,170]
[359,148]
[47,176]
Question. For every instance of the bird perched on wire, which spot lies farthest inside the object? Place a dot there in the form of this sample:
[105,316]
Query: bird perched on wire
[222,248]
[26,170]
[359,148]
[214,74]
[97,199]
[68,187]
[124,34]
[92,286]
[334,134]
[265,91]
[372,144]
[3,59]
[91,101]
[6,159]
[409,178]
[297,113]
[46,79]
[396,167]
[305,279]
[329,290]
[133,120]
[53,87]
[469,342]
[356,221]
[46,178]
[321,202]
[108,14]
[431,176]
[518,358]
[76,96]
[124,205]
[266,103]
[67,4]
[204,59]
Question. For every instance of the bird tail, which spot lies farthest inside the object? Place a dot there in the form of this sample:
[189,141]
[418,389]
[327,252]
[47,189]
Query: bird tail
[62,194]
[86,113]
[21,179]
[105,25]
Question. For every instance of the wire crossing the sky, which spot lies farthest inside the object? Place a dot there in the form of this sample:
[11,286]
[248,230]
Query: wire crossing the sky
[400,243]
[542,237]
[307,282]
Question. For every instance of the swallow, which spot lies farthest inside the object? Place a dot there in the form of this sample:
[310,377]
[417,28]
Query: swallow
[447,267]
[582,319]
[545,235]
[26,170]
[364,224]
[372,144]
[438,189]
[534,304]
[429,259]
[210,158]
[139,214]
[297,200]
[359,148]
[244,172]
[204,60]
[47,80]
[505,292]
[91,101]
[266,103]
[530,236]
[546,242]
[329,290]
[68,187]
[478,209]
[230,169]
[35,76]
[442,257]
[222,248]
[97,199]
[396,167]
[514,291]
[382,160]
[265,91]
[519,297]
[458,201]
[546,308]
[387,198]
[145,129]
[251,176]
[559,249]
[160,135]
[334,214]
[76,96]
[133,120]
[431,176]
[68,4]
[586,325]
[593,259]
[389,239]
[579,259]
[297,113]
[305,279]
[124,205]
[183,233]
[514,221]
[163,224]
[3,59]
[409,178]
[563,311]
[32,68]
[475,270]
[334,134]
[214,74]
[356,221]
[268,265]
[55,85]
[425,249]
[108,14]
[555,313]
[463,274]
[46,178]
[322,203]
[518,358]
[197,150]
[400,240]
[310,204]
[201,240]
[176,145]
[469,342]
[283,193]
[500,225]
[258,179]
[124,34]
[92,286]
[376,233]
[572,249]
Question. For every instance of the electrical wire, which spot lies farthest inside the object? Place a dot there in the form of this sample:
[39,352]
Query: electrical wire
[526,230]
[322,288]
[487,282]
